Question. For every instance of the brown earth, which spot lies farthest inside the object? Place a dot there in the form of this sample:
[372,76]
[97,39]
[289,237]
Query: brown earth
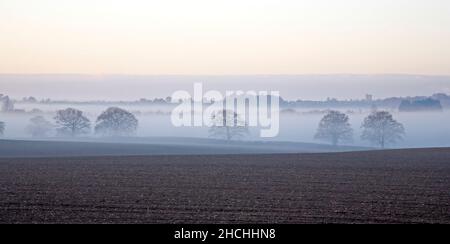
[399,186]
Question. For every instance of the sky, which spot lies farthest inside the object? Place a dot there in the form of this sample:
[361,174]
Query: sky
[225,37]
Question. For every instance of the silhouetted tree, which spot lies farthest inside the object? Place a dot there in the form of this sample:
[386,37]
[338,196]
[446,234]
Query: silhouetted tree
[335,127]
[2,128]
[39,127]
[116,122]
[227,125]
[71,122]
[381,129]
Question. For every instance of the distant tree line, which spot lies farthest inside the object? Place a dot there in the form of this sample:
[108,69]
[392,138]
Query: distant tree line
[71,122]
[368,102]
[389,103]
[379,128]
[115,122]
[428,104]
[112,122]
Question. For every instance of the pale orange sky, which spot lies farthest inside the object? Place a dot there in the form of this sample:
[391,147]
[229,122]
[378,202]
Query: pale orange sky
[225,36]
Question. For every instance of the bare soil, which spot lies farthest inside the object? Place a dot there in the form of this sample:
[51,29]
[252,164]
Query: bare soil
[399,186]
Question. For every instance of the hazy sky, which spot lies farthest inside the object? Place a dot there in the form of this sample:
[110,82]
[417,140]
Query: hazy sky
[225,36]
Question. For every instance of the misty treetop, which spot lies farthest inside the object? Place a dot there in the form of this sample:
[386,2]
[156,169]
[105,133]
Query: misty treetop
[116,122]
[72,122]
[335,127]
[227,125]
[380,128]
[39,127]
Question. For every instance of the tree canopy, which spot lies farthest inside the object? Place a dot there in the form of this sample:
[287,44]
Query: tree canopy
[335,127]
[227,125]
[39,127]
[116,122]
[380,128]
[72,122]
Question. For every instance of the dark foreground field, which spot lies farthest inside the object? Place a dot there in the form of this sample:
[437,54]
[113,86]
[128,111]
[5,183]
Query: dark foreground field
[405,186]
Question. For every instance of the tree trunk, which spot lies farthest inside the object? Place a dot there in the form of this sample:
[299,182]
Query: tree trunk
[73,131]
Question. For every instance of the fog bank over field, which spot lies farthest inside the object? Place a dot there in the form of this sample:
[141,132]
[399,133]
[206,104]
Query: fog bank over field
[298,122]
[423,129]
[292,87]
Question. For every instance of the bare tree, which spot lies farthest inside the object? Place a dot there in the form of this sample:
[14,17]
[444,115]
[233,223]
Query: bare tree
[116,122]
[227,125]
[2,128]
[381,129]
[71,122]
[39,127]
[335,127]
